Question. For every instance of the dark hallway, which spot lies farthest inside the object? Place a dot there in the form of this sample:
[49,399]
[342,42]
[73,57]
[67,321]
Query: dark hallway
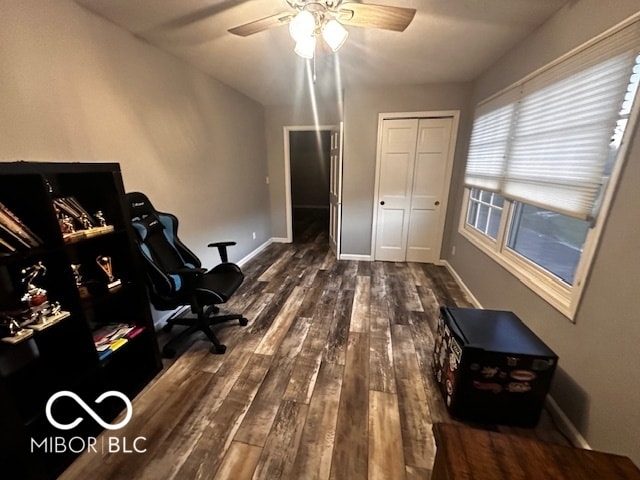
[310,185]
[310,225]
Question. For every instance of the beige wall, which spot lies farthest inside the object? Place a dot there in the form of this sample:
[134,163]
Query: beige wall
[360,114]
[74,87]
[328,112]
[598,385]
[361,109]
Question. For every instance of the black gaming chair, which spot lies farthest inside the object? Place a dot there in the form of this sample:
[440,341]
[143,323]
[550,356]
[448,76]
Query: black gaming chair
[176,277]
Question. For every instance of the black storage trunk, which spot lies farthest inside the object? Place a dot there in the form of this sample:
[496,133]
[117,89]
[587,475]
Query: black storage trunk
[490,367]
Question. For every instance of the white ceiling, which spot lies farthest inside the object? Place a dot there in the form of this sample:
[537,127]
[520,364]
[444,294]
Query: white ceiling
[448,41]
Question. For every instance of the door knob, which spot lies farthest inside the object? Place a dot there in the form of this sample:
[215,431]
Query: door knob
[382,202]
[437,202]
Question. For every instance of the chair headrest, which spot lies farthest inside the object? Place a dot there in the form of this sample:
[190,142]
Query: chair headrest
[139,205]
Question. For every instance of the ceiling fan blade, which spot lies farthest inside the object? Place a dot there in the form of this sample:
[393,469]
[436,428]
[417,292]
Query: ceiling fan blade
[375,16]
[256,26]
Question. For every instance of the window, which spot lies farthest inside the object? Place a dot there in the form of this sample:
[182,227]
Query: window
[548,239]
[542,158]
[485,211]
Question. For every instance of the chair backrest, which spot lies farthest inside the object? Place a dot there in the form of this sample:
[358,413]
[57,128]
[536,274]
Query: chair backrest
[161,249]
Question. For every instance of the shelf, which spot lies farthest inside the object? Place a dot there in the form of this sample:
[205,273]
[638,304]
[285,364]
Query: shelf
[82,235]
[31,329]
[60,353]
[19,337]
[49,321]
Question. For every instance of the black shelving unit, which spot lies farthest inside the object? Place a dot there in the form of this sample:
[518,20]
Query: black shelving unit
[63,356]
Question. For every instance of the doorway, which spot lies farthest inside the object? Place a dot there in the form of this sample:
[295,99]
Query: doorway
[413,174]
[310,182]
[326,139]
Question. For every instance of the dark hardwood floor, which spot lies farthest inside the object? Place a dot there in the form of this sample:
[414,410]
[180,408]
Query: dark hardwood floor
[310,225]
[331,379]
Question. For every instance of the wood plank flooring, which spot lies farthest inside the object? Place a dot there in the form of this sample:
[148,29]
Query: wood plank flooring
[331,379]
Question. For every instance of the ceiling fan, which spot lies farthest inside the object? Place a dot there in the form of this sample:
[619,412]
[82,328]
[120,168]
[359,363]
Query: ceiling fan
[310,19]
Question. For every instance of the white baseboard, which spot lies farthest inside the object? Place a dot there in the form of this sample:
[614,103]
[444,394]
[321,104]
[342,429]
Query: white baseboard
[459,281]
[280,240]
[359,258]
[564,424]
[559,417]
[255,252]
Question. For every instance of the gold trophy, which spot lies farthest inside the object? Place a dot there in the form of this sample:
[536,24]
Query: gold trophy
[10,330]
[102,226]
[105,263]
[82,288]
[42,313]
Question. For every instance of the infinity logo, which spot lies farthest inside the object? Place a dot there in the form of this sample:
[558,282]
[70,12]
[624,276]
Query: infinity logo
[89,410]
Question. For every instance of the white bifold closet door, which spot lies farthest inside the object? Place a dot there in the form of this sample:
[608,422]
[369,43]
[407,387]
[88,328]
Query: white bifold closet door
[412,176]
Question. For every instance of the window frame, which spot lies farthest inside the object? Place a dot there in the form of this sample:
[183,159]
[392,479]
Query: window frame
[563,297]
[491,209]
[541,281]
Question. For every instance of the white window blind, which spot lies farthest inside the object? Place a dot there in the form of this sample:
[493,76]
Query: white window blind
[489,140]
[558,141]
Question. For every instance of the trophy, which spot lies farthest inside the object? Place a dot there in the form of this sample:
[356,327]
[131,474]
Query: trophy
[11,331]
[105,263]
[66,224]
[76,223]
[85,221]
[68,228]
[75,268]
[36,297]
[102,226]
[99,216]
[41,312]
[82,289]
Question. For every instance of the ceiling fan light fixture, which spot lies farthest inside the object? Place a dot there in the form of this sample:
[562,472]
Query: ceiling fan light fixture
[306,47]
[302,26]
[334,34]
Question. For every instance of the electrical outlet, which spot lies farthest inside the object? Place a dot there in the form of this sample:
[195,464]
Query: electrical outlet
[254,235]
[453,251]
[267,180]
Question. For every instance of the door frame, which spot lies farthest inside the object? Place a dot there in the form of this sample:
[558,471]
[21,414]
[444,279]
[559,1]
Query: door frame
[333,173]
[287,168]
[455,116]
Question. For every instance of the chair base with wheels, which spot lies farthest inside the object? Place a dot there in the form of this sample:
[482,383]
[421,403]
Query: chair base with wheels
[176,277]
[204,319]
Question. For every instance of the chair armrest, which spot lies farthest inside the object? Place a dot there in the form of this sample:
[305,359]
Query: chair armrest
[222,249]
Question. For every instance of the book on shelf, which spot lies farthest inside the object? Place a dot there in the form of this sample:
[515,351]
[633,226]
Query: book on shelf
[111,337]
[135,332]
[118,343]
[104,354]
[14,232]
